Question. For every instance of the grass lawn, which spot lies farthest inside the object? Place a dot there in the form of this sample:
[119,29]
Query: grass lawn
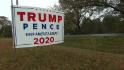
[77,53]
[112,44]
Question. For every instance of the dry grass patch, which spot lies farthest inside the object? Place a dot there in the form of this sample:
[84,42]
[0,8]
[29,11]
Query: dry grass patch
[57,58]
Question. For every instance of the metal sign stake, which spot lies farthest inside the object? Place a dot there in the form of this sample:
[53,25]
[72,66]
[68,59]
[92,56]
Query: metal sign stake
[13,30]
[17,2]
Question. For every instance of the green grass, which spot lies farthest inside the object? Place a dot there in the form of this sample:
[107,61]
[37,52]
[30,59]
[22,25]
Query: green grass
[77,53]
[112,44]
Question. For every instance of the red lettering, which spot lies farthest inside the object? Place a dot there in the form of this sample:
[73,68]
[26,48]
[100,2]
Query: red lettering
[52,39]
[31,16]
[21,14]
[41,40]
[52,18]
[40,17]
[59,19]
[35,40]
[46,40]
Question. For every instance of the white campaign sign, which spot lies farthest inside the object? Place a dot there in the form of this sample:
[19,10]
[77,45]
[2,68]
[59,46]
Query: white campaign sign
[37,27]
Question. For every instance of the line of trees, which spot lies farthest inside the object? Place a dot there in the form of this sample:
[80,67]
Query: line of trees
[84,17]
[93,16]
[5,27]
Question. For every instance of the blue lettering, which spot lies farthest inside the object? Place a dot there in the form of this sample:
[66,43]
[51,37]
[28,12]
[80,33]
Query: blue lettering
[51,26]
[25,25]
[57,26]
[34,26]
[43,26]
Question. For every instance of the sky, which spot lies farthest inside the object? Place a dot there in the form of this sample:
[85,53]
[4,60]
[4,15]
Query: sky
[5,5]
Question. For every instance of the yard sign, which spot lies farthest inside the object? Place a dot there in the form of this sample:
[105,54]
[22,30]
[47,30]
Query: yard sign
[37,27]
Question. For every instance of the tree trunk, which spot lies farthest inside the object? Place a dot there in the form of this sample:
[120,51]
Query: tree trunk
[78,27]
[77,22]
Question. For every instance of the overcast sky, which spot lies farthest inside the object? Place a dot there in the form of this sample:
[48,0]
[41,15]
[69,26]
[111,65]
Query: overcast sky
[5,5]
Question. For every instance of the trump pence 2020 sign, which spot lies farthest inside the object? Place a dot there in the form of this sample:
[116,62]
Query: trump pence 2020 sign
[37,27]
